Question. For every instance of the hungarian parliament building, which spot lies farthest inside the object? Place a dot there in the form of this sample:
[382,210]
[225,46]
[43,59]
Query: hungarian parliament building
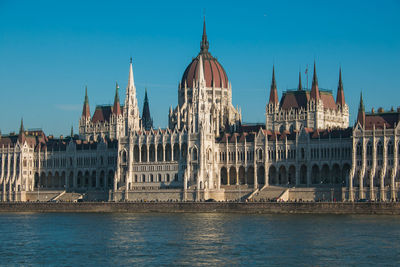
[306,150]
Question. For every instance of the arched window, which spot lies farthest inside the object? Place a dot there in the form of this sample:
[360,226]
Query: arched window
[359,149]
[260,154]
[124,156]
[369,148]
[194,154]
[390,148]
[380,149]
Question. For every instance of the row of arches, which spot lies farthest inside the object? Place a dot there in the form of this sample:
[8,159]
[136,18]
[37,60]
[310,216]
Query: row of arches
[94,179]
[157,153]
[284,175]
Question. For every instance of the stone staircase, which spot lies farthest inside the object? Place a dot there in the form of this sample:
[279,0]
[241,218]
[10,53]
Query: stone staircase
[70,197]
[268,193]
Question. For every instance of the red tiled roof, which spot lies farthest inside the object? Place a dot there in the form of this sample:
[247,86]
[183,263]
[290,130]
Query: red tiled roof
[299,98]
[389,119]
[213,72]
[102,114]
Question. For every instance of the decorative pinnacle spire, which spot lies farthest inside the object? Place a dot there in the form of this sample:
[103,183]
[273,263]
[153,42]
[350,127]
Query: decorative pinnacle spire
[21,128]
[273,95]
[147,121]
[299,87]
[72,131]
[200,73]
[315,79]
[361,107]
[86,96]
[116,98]
[86,109]
[21,136]
[273,83]
[314,88]
[340,93]
[117,106]
[361,112]
[204,42]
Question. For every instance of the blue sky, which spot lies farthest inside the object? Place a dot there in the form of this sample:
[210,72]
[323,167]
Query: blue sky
[49,51]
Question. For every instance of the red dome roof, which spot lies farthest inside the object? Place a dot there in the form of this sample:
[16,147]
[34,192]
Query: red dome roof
[213,71]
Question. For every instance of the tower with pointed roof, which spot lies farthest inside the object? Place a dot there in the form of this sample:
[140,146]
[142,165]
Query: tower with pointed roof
[302,107]
[131,109]
[84,121]
[147,121]
[361,112]
[217,91]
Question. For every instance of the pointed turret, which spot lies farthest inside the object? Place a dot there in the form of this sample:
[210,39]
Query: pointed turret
[361,112]
[72,131]
[200,72]
[204,42]
[117,106]
[131,110]
[314,88]
[340,93]
[147,121]
[86,110]
[21,135]
[273,95]
[299,87]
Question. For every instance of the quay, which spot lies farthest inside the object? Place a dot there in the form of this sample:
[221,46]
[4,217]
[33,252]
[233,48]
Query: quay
[381,208]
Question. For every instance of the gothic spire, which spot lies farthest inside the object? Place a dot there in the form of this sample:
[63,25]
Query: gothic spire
[299,87]
[204,42]
[273,95]
[361,111]
[340,93]
[72,131]
[21,136]
[86,109]
[117,106]
[147,121]
[131,81]
[314,88]
[200,73]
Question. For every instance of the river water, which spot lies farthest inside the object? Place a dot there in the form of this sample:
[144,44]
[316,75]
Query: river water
[212,239]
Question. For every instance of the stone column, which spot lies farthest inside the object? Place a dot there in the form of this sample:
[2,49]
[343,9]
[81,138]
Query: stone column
[351,192]
[298,173]
[382,185]
[361,186]
[393,185]
[237,176]
[371,186]
[227,174]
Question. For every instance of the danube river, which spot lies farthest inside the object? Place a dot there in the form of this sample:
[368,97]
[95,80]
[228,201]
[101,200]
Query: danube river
[93,239]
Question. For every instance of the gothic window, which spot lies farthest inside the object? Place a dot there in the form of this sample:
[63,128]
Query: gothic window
[260,154]
[390,148]
[194,154]
[369,149]
[380,149]
[123,156]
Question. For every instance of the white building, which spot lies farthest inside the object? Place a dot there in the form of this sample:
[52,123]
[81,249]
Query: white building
[305,148]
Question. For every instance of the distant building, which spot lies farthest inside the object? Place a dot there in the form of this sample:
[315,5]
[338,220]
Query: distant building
[305,148]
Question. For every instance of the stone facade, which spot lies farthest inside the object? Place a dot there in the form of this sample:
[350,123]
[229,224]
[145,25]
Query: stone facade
[207,152]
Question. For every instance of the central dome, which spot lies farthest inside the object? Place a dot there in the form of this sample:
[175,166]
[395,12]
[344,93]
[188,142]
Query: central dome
[214,73]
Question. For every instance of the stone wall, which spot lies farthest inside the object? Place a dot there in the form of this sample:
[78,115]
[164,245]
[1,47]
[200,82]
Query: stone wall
[384,208]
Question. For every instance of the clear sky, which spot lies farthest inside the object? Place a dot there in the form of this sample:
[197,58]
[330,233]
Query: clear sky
[49,51]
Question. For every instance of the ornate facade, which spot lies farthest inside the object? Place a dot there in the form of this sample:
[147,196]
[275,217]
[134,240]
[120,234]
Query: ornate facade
[306,146]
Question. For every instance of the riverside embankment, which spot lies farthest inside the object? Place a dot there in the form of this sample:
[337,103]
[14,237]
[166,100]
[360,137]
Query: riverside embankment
[384,208]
